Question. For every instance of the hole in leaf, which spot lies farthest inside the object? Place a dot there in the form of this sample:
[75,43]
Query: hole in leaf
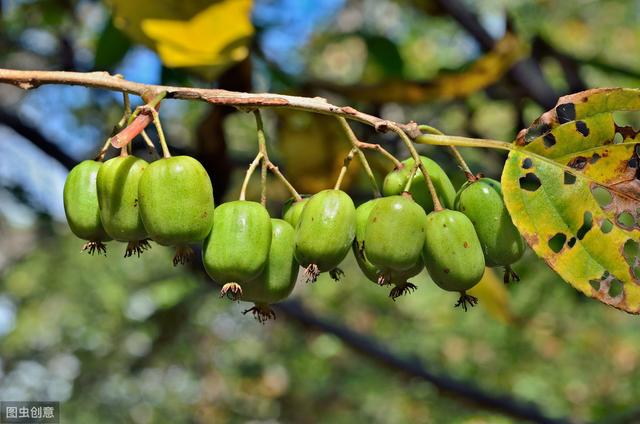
[606,226]
[595,284]
[602,196]
[571,242]
[586,226]
[579,162]
[615,288]
[556,243]
[549,140]
[626,220]
[636,272]
[618,138]
[630,251]
[594,158]
[566,112]
[582,128]
[569,178]
[527,163]
[530,182]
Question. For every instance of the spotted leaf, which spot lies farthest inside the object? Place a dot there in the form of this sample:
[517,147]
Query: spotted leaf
[572,186]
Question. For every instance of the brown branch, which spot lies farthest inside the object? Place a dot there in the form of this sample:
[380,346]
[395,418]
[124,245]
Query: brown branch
[31,79]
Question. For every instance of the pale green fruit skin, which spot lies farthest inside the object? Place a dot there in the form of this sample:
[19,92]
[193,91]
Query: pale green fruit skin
[117,185]
[81,206]
[368,269]
[292,210]
[280,273]
[394,234]
[395,182]
[176,201]
[237,248]
[362,216]
[452,252]
[325,230]
[481,201]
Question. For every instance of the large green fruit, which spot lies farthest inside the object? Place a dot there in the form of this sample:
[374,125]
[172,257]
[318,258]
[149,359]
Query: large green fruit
[481,201]
[117,184]
[279,276]
[325,232]
[395,182]
[176,202]
[237,248]
[452,253]
[292,210]
[396,278]
[394,234]
[81,205]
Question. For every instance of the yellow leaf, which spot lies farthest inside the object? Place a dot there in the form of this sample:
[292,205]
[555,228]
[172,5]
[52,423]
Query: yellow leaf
[195,34]
[493,296]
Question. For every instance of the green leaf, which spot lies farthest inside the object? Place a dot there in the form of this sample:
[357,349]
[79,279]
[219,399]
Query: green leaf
[572,187]
[112,46]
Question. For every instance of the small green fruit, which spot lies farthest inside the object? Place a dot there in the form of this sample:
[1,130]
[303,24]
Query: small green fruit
[81,206]
[395,182]
[373,273]
[237,248]
[481,201]
[394,234]
[325,232]
[117,185]
[279,276]
[292,210]
[452,253]
[176,203]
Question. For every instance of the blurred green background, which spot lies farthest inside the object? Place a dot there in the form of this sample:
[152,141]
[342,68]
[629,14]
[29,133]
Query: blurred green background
[137,340]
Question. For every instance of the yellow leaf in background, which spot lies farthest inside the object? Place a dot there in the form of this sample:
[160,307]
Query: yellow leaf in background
[493,296]
[204,36]
[313,148]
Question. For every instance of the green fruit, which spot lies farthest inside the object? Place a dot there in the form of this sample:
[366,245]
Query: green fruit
[292,210]
[81,205]
[237,248]
[395,182]
[325,232]
[481,201]
[279,276]
[452,253]
[394,234]
[362,216]
[117,185]
[373,273]
[176,202]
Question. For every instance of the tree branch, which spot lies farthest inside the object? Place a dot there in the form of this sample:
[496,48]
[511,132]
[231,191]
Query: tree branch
[413,368]
[36,137]
[31,79]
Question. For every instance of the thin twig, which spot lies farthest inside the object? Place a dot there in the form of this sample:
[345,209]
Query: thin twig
[267,164]
[247,177]
[345,166]
[437,206]
[454,152]
[32,79]
[372,146]
[363,159]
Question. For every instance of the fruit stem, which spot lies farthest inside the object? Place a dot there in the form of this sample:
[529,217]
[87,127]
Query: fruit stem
[373,146]
[450,140]
[437,206]
[343,170]
[454,152]
[363,159]
[266,162]
[262,148]
[150,147]
[163,142]
[247,177]
[119,126]
[407,186]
